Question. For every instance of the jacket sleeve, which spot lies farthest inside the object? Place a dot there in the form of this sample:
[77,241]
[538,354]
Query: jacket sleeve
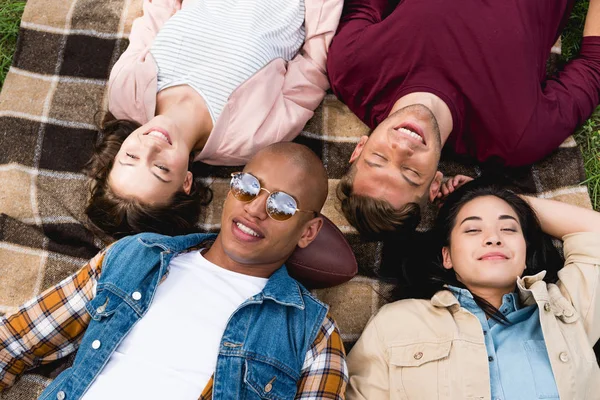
[565,102]
[580,279]
[132,81]
[368,366]
[48,327]
[305,80]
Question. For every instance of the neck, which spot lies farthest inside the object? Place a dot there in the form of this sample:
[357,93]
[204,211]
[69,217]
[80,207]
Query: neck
[185,106]
[217,255]
[436,105]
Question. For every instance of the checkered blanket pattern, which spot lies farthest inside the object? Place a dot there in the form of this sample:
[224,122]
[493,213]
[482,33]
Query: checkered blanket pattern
[51,102]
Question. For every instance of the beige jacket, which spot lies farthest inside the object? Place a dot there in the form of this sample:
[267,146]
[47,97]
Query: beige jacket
[420,349]
[272,106]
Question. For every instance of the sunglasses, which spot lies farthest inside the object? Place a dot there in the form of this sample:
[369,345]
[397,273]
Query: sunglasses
[280,205]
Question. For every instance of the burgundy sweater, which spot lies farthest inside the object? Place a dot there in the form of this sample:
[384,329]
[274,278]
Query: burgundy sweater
[485,58]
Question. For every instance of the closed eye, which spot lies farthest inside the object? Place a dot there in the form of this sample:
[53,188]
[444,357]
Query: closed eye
[162,168]
[413,171]
[472,230]
[509,230]
[132,156]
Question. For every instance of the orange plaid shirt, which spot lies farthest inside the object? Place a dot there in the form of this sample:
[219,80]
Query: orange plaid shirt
[51,326]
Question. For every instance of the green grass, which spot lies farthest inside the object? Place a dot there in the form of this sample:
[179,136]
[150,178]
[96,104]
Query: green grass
[10,17]
[588,136]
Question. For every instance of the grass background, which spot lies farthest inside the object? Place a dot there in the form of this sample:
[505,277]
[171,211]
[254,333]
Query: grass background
[10,17]
[587,136]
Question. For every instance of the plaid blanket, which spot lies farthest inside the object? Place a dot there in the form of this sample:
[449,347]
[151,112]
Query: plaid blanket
[52,100]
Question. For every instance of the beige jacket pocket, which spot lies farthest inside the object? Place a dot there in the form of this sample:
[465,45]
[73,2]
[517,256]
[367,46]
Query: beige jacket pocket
[420,370]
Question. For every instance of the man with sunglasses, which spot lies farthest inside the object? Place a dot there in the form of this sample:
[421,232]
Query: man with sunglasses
[159,317]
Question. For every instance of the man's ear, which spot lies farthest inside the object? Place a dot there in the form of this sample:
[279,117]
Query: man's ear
[311,230]
[446,258]
[359,148]
[187,182]
[434,187]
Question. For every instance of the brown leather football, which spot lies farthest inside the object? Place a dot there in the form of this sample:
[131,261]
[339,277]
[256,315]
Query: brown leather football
[326,262]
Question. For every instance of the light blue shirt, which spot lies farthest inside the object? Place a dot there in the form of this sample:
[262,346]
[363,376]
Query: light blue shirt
[518,359]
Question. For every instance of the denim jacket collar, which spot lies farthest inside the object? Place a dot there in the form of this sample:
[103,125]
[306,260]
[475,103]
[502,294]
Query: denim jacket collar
[281,288]
[176,244]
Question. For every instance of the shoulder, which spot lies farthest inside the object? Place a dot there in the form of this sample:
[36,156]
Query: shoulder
[411,317]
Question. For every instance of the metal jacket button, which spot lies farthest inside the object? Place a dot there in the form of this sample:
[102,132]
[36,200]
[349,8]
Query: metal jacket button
[61,395]
[418,355]
[136,296]
[546,306]
[269,385]
[96,344]
[564,357]
[568,313]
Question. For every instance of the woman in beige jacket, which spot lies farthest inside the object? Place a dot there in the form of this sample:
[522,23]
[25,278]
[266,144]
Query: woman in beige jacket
[498,318]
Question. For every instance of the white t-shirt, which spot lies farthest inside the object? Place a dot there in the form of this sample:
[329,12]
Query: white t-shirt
[171,353]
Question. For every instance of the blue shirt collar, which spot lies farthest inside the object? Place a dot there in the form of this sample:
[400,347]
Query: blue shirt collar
[510,301]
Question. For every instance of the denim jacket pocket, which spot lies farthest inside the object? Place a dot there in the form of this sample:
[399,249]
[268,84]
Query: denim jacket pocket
[268,381]
[104,304]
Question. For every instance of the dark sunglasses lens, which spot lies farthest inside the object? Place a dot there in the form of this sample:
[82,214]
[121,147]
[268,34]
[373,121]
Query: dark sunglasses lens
[244,187]
[281,206]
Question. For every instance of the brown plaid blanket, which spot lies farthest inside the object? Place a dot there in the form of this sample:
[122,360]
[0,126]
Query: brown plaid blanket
[52,99]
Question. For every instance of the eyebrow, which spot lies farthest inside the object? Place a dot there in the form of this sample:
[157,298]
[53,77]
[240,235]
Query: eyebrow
[157,177]
[502,217]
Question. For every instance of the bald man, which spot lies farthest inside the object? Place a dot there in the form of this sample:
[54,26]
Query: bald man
[195,316]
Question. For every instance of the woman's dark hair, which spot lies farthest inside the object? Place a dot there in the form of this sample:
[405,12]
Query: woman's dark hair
[424,280]
[118,217]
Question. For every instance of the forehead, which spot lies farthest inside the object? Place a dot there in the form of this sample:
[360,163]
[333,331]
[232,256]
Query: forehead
[384,183]
[139,183]
[486,207]
[278,172]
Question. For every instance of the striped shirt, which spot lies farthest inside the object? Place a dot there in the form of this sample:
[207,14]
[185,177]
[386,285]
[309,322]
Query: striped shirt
[215,45]
[51,326]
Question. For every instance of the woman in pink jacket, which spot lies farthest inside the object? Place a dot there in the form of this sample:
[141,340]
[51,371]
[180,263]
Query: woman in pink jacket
[203,80]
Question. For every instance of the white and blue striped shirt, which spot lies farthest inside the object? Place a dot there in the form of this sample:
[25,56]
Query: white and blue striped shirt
[215,45]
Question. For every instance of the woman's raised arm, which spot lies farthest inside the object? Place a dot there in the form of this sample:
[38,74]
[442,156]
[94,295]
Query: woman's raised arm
[559,219]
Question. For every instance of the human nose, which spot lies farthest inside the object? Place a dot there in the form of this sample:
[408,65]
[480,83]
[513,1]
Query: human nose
[150,145]
[493,239]
[257,208]
[403,147]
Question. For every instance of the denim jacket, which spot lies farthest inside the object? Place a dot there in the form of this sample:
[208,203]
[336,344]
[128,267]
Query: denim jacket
[262,349]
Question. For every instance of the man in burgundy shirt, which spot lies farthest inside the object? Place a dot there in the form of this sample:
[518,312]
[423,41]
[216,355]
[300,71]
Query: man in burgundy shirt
[468,74]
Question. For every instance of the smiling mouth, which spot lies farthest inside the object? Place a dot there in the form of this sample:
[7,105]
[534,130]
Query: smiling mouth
[247,230]
[159,134]
[494,257]
[412,131]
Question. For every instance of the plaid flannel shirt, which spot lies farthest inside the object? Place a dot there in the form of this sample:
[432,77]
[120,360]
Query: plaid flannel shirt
[51,326]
